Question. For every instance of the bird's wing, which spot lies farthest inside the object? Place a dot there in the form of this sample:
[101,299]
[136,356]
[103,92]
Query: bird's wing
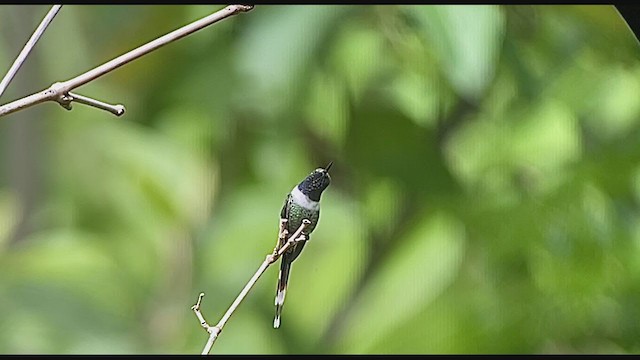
[284,214]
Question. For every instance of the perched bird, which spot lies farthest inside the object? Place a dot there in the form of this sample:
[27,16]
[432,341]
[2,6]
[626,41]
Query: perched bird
[303,202]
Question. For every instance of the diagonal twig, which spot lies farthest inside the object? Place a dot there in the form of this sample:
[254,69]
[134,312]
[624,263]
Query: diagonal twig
[214,331]
[59,91]
[28,47]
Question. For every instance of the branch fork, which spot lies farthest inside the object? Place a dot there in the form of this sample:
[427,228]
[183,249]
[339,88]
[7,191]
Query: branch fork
[214,331]
[60,91]
[28,47]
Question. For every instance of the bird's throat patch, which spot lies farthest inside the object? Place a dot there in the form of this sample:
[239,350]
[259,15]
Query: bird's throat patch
[303,200]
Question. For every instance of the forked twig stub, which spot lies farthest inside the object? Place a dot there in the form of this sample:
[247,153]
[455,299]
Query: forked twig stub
[116,110]
[214,331]
[59,91]
[196,309]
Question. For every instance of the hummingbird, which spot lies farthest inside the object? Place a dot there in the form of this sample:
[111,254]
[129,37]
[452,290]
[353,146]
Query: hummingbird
[303,202]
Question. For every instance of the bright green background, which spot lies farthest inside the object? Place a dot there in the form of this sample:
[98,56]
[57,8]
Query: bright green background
[485,194]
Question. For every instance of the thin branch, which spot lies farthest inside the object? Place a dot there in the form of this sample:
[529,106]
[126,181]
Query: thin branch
[116,110]
[59,91]
[214,331]
[28,47]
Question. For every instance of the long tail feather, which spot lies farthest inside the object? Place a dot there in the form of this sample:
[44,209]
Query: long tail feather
[281,290]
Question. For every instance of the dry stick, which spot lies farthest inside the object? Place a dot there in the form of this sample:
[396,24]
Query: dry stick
[28,47]
[116,110]
[59,91]
[214,331]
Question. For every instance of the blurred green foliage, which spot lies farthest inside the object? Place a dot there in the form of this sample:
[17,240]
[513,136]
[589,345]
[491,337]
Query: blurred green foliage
[485,193]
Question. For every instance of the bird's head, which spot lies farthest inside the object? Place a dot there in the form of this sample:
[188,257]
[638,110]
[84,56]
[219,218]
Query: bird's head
[316,182]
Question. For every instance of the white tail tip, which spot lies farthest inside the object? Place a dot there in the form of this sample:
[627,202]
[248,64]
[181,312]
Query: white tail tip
[276,322]
[280,297]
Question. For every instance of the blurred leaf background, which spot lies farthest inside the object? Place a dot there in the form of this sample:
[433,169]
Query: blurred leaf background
[485,195]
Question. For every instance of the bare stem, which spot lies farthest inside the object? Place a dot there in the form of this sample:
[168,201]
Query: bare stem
[28,47]
[214,331]
[59,91]
[116,110]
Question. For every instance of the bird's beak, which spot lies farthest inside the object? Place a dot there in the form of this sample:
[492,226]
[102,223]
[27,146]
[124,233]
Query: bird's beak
[328,166]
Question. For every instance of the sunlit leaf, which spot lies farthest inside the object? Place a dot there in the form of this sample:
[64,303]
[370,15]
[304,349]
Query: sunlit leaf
[417,271]
[274,56]
[468,41]
[617,109]
[539,141]
[71,260]
[359,57]
[417,98]
[327,109]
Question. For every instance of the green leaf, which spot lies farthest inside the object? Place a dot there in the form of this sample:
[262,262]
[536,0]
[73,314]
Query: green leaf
[72,260]
[540,141]
[274,57]
[358,56]
[327,110]
[467,40]
[417,98]
[617,110]
[416,272]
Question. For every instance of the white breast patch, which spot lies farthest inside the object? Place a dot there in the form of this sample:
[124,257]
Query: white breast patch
[303,200]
